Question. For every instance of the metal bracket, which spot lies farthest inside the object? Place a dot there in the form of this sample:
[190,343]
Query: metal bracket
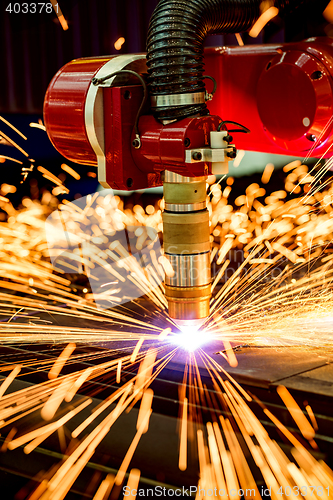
[208,155]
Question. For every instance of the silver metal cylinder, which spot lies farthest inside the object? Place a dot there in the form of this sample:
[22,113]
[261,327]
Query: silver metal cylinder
[187,247]
[185,207]
[189,270]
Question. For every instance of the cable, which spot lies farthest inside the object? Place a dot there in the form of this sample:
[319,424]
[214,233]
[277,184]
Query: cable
[209,97]
[98,81]
[242,128]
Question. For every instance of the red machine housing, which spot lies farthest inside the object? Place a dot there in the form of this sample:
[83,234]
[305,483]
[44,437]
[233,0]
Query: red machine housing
[282,93]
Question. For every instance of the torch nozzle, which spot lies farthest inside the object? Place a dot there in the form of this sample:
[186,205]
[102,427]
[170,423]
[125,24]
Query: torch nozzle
[187,247]
[187,324]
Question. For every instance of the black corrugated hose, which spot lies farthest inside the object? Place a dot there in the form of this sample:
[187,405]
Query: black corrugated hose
[176,36]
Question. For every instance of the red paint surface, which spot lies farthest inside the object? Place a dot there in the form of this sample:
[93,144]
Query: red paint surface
[271,89]
[64,109]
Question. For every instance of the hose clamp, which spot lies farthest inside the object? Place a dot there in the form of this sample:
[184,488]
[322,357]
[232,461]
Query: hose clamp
[168,101]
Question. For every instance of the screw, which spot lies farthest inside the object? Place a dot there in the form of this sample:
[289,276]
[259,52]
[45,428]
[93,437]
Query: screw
[228,138]
[136,143]
[197,155]
[232,154]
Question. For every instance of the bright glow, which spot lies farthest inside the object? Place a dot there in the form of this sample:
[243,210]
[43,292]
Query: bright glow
[118,44]
[190,338]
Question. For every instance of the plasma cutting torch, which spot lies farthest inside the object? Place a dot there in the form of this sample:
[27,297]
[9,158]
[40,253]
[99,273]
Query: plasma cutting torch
[149,120]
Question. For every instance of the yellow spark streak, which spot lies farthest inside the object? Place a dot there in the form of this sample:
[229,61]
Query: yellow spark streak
[213,253]
[220,274]
[261,22]
[239,39]
[118,43]
[123,391]
[48,175]
[267,173]
[12,159]
[130,452]
[13,128]
[292,165]
[168,269]
[60,15]
[46,429]
[236,384]
[312,417]
[145,408]
[8,439]
[261,261]
[55,400]
[215,456]
[295,411]
[239,157]
[243,470]
[145,370]
[71,171]
[60,361]
[118,376]
[13,143]
[37,125]
[105,488]
[136,350]
[182,463]
[133,482]
[8,380]
[70,469]
[226,459]
[227,245]
[77,384]
[164,333]
[232,360]
[292,256]
[328,12]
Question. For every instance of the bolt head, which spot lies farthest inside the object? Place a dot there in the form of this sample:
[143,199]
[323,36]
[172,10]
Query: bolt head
[197,156]
[232,154]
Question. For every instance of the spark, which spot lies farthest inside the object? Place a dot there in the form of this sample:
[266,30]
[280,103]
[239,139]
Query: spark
[119,43]
[11,159]
[136,350]
[60,15]
[261,22]
[60,362]
[328,12]
[295,411]
[71,171]
[37,125]
[182,463]
[239,39]
[13,143]
[292,236]
[133,482]
[191,338]
[13,128]
[267,173]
